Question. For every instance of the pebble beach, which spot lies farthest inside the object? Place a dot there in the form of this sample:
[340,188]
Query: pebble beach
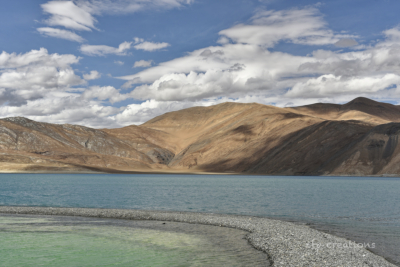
[285,243]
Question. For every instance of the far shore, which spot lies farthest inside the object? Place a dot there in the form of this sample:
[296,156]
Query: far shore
[35,169]
[286,244]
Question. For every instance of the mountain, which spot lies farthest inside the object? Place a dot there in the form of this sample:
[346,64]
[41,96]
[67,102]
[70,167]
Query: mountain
[357,138]
[30,145]
[361,108]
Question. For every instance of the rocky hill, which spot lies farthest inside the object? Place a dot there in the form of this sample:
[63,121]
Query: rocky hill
[357,138]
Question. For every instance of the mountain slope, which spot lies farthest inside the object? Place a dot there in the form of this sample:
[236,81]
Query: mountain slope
[76,145]
[361,108]
[236,136]
[357,138]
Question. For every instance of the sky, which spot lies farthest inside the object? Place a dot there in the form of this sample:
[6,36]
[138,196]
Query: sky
[113,63]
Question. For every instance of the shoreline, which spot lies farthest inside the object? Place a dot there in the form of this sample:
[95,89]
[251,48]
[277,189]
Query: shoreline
[164,172]
[285,243]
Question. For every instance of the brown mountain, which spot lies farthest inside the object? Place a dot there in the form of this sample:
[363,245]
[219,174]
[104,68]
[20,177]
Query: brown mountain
[357,138]
[361,108]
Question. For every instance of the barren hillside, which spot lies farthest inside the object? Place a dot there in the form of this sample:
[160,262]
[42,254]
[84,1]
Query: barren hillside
[357,138]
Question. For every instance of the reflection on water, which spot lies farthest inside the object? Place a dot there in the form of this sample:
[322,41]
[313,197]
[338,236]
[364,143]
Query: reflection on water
[70,241]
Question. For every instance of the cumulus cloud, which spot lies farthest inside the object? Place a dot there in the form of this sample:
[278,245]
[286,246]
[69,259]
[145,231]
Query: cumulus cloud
[143,64]
[242,67]
[37,70]
[331,85]
[38,77]
[392,37]
[209,53]
[42,86]
[372,61]
[215,72]
[193,86]
[31,76]
[93,75]
[102,50]
[63,34]
[60,108]
[118,62]
[104,93]
[223,40]
[140,113]
[35,58]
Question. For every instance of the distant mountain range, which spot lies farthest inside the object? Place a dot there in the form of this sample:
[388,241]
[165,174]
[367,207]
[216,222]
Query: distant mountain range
[357,138]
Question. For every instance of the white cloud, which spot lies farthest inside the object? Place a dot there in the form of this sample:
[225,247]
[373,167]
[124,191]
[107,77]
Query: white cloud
[223,40]
[93,75]
[392,37]
[102,50]
[192,86]
[251,73]
[79,14]
[140,44]
[63,34]
[38,77]
[393,34]
[138,40]
[300,26]
[215,71]
[149,46]
[128,6]
[36,57]
[331,85]
[140,113]
[143,64]
[242,68]
[41,86]
[104,93]
[368,62]
[33,75]
[60,108]
[68,15]
[37,70]
[118,62]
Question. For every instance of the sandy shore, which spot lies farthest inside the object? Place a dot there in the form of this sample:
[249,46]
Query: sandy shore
[70,169]
[285,243]
[37,169]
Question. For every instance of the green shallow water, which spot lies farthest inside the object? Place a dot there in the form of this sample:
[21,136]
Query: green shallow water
[362,209]
[36,241]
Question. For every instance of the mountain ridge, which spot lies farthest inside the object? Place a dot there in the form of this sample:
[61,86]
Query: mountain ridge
[356,138]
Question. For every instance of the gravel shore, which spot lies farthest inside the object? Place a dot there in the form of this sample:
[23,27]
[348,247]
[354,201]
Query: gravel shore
[286,244]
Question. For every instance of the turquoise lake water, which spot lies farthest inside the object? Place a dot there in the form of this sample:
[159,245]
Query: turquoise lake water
[359,208]
[75,241]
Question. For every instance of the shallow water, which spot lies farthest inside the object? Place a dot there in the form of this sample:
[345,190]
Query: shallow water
[74,241]
[363,209]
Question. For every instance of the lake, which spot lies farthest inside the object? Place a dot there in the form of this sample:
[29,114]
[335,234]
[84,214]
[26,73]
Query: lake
[364,209]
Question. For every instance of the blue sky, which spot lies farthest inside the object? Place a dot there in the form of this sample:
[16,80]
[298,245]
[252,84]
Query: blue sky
[104,63]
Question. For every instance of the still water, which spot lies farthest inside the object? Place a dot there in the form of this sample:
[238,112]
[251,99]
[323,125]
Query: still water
[359,208]
[75,241]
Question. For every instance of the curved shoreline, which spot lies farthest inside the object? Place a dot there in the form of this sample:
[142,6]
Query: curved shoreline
[286,244]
